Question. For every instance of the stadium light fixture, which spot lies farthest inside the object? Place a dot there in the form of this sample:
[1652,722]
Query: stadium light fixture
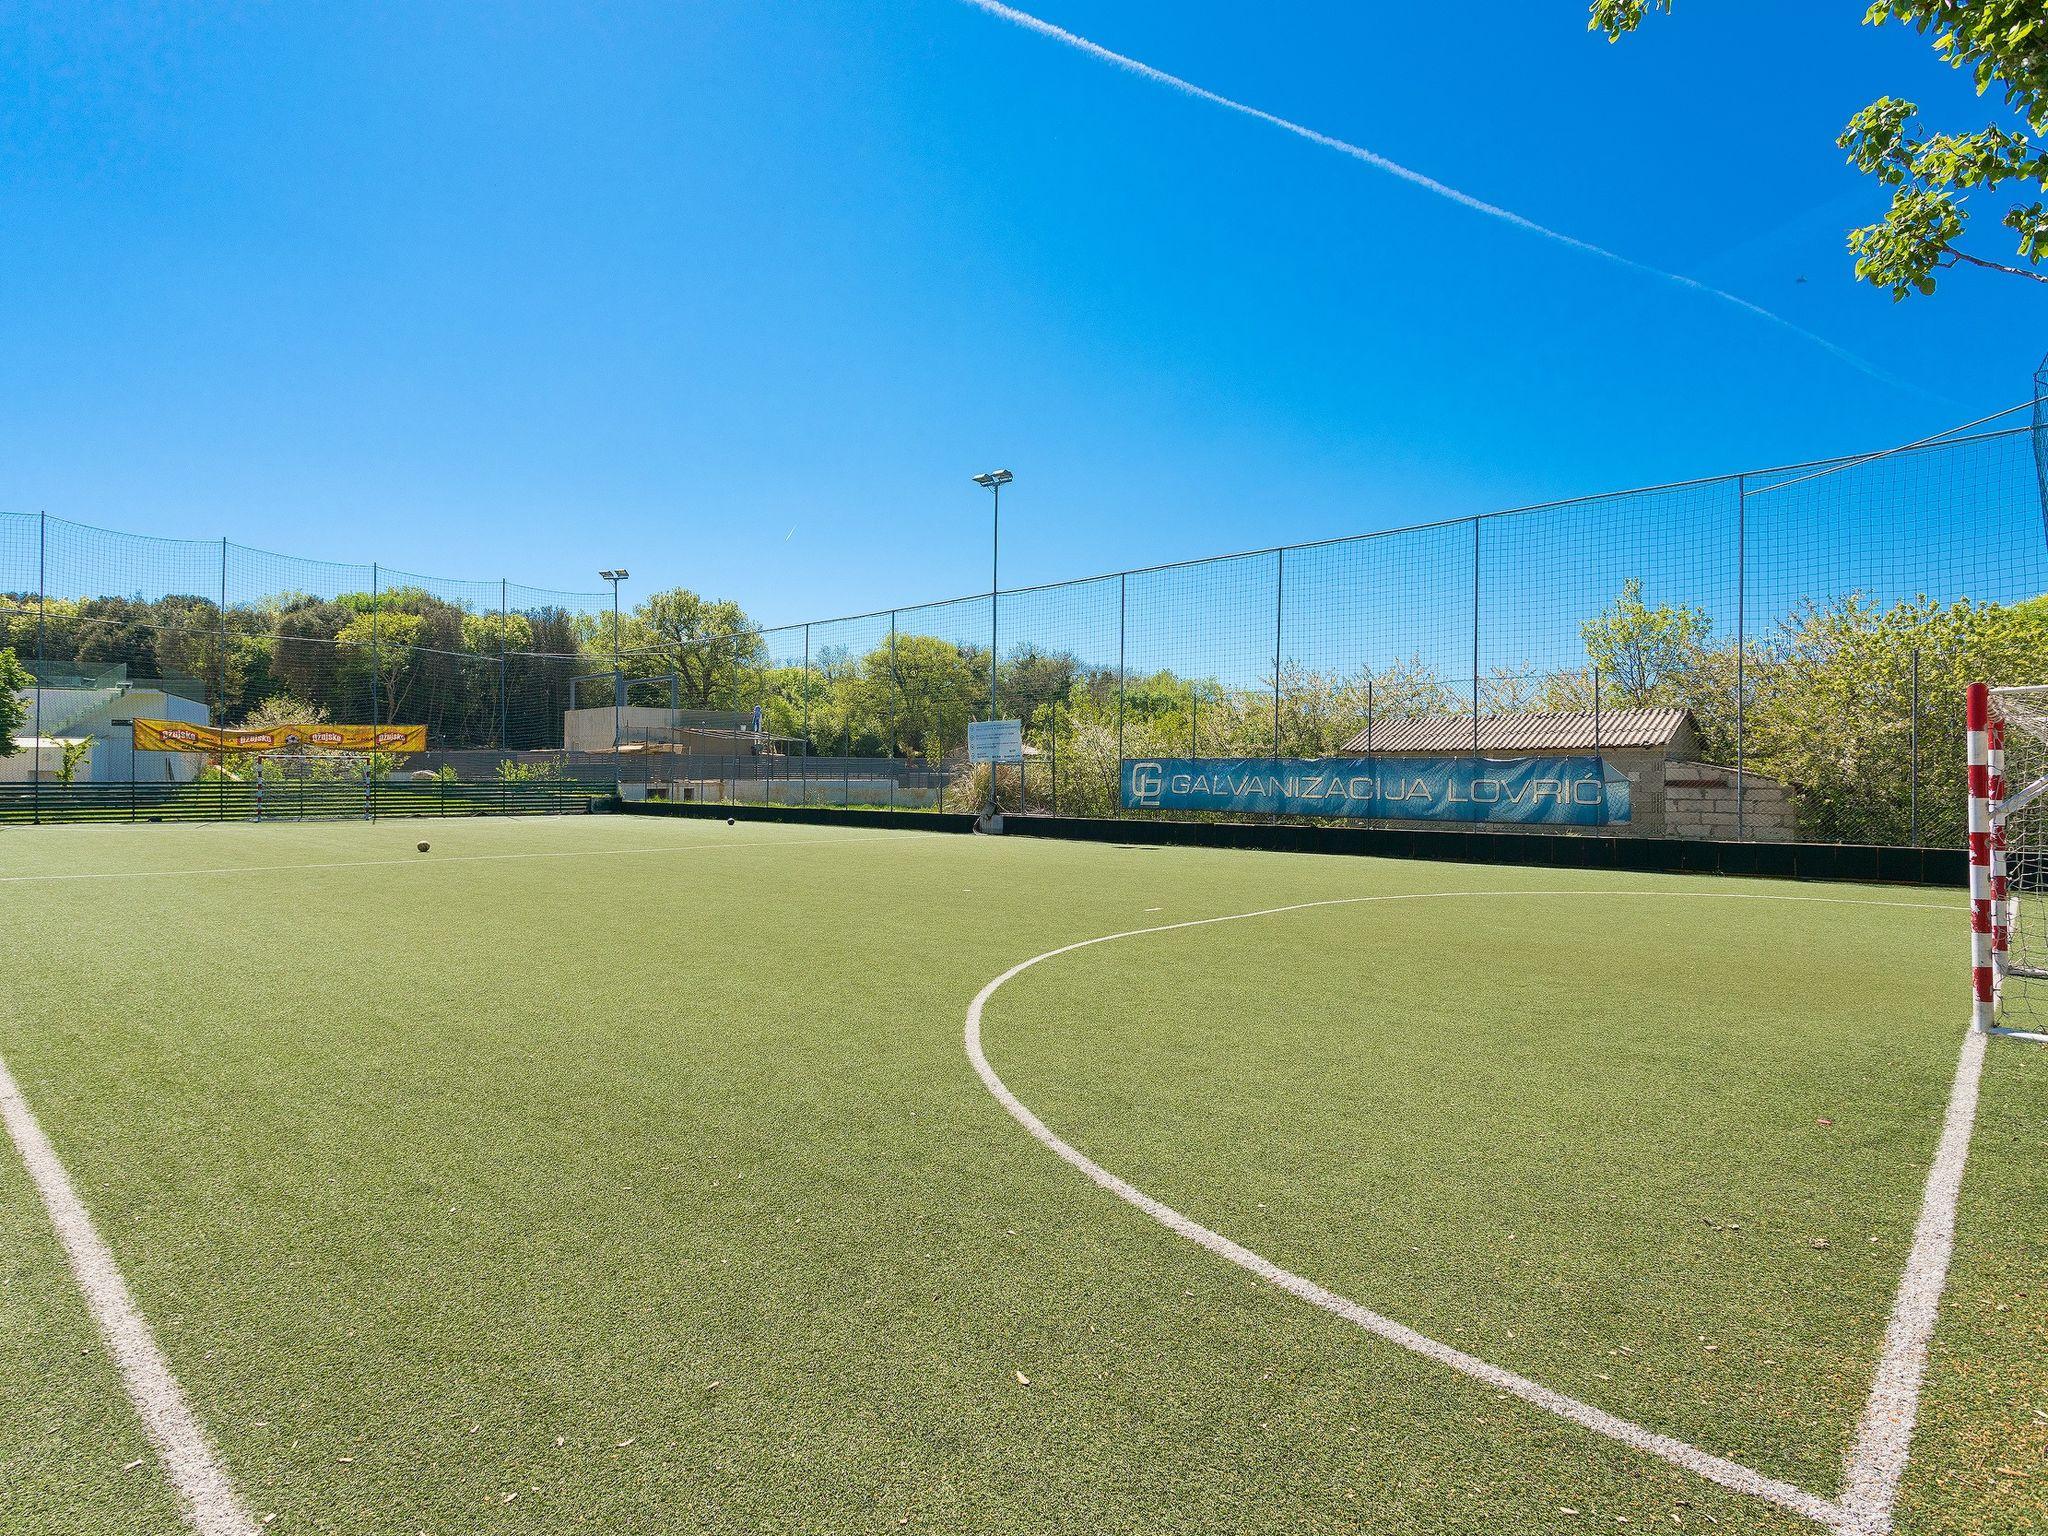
[615,577]
[993,482]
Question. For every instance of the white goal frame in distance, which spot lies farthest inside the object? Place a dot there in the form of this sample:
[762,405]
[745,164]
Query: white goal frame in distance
[362,762]
[1993,901]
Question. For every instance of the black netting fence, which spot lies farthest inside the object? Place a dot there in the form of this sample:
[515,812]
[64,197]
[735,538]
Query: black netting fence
[1774,655]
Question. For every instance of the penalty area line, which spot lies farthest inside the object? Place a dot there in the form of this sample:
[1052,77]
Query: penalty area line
[211,1505]
[1876,1463]
[1883,1443]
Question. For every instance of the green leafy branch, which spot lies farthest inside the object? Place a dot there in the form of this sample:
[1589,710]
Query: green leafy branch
[2000,42]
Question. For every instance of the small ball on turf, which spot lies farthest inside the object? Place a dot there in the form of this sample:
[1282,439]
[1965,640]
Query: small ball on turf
[424,847]
[728,821]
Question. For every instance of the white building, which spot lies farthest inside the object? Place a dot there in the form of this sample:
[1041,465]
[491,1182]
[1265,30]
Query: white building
[40,757]
[102,715]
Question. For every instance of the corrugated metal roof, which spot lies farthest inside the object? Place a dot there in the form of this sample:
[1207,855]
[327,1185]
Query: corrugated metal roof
[1524,731]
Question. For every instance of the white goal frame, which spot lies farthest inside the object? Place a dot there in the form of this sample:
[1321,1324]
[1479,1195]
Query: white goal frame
[2008,851]
[277,770]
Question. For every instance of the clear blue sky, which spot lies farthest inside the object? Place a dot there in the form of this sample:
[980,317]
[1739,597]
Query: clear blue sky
[740,294]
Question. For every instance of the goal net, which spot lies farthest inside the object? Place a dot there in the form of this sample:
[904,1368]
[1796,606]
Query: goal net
[305,786]
[2008,836]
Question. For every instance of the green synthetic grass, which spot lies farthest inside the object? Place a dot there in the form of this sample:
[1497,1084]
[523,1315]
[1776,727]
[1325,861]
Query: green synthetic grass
[633,1166]
[202,800]
[69,1443]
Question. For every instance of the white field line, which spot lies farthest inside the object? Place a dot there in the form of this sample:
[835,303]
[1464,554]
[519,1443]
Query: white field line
[429,860]
[1877,1461]
[212,1506]
[1871,1483]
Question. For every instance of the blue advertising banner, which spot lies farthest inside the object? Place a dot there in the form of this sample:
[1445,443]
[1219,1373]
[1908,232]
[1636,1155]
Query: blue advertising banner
[1554,791]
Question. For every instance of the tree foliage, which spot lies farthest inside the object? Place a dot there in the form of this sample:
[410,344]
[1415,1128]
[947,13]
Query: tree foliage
[1827,698]
[1645,652]
[73,753]
[1929,175]
[711,645]
[14,710]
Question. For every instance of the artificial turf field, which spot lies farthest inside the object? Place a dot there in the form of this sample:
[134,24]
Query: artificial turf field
[627,1174]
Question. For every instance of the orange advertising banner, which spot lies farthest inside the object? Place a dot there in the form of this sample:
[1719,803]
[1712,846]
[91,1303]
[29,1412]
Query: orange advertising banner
[179,736]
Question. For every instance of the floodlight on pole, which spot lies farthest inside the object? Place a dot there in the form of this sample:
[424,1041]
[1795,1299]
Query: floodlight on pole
[618,670]
[993,482]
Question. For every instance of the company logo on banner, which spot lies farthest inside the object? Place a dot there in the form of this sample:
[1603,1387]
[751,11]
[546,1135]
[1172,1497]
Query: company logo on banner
[177,736]
[1555,791]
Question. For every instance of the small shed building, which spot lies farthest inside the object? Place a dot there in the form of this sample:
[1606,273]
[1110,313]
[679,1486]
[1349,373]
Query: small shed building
[1673,793]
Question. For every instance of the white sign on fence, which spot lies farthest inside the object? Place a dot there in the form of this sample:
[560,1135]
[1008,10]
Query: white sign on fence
[995,741]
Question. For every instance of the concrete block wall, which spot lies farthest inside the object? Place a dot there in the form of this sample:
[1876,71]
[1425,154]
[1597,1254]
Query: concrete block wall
[1699,801]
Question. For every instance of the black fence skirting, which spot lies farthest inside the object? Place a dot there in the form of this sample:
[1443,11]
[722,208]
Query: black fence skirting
[1942,867]
[1937,867]
[816,815]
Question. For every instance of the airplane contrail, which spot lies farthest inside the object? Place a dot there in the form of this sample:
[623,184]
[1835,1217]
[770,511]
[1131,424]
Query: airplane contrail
[1416,178]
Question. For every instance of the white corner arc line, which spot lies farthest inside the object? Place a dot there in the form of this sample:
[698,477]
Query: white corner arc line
[211,1505]
[1906,1340]
[1877,1460]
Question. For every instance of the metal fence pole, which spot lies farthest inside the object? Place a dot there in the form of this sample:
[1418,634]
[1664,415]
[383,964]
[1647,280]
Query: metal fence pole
[1596,711]
[377,688]
[1475,634]
[221,661]
[1368,712]
[1741,635]
[504,699]
[1122,609]
[1913,747]
[35,771]
[807,716]
[1279,598]
[376,659]
[222,617]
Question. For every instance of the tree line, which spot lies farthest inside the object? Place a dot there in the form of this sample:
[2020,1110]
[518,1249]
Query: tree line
[1853,704]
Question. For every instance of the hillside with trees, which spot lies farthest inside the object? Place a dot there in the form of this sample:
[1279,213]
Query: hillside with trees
[1854,705]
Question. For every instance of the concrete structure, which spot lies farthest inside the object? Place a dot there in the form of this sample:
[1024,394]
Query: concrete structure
[41,758]
[692,732]
[102,714]
[1672,793]
[923,792]
[1700,799]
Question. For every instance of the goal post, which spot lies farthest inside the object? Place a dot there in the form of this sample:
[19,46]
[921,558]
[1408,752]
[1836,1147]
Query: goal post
[2008,858]
[302,786]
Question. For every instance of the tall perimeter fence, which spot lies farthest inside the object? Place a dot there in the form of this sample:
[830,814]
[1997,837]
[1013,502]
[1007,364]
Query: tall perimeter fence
[1772,655]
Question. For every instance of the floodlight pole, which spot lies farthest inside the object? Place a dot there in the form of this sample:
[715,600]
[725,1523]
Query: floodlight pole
[995,566]
[993,482]
[618,668]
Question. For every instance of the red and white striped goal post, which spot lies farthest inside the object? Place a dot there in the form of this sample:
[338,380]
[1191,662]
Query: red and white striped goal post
[1984,898]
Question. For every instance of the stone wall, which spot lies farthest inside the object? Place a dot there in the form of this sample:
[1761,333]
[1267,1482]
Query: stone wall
[1699,801]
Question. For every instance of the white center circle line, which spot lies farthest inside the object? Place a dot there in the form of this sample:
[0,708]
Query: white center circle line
[1864,1519]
